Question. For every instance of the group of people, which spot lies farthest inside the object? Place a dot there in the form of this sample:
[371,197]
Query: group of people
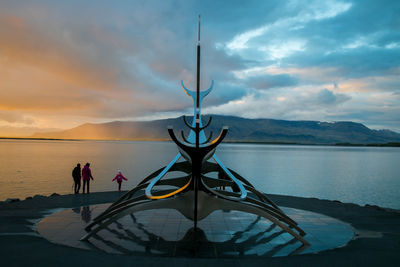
[86,175]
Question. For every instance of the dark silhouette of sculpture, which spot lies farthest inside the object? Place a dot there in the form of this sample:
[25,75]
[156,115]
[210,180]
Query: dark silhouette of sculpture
[196,194]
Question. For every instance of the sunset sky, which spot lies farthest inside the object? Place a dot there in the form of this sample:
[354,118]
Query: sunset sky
[64,63]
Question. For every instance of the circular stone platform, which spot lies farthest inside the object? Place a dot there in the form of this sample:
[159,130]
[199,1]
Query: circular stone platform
[166,232]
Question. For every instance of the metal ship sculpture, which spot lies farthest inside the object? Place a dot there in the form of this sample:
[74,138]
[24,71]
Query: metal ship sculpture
[196,194]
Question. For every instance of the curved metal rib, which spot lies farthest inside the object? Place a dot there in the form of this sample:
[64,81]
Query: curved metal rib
[242,196]
[176,140]
[112,209]
[219,194]
[208,123]
[208,139]
[233,196]
[232,177]
[159,176]
[250,187]
[149,195]
[210,167]
[184,138]
[217,140]
[162,171]
[187,124]
[263,206]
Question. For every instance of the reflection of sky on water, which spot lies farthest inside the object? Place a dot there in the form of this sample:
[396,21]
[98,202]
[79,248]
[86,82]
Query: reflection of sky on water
[350,174]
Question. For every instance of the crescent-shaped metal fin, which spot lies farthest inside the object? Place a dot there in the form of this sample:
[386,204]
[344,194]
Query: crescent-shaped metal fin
[206,92]
[187,91]
[193,93]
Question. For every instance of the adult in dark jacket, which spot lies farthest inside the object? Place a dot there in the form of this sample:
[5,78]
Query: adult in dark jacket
[76,174]
[86,176]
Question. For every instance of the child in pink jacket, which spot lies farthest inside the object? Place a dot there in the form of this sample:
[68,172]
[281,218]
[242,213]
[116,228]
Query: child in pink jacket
[119,178]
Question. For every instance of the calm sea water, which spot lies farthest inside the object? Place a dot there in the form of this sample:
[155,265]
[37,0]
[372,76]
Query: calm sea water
[362,175]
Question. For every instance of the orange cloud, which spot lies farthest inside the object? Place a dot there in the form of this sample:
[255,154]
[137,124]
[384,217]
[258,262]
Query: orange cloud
[56,52]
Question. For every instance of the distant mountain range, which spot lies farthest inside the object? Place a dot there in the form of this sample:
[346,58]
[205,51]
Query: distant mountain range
[240,130]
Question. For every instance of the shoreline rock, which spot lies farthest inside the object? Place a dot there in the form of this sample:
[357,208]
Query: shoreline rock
[12,200]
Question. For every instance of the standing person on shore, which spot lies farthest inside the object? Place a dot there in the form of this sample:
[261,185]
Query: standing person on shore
[76,174]
[86,176]
[119,178]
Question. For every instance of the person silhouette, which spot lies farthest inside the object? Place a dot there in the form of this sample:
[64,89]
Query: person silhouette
[76,175]
[119,177]
[86,176]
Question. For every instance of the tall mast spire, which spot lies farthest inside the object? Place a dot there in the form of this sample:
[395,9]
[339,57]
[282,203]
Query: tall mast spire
[198,39]
[198,69]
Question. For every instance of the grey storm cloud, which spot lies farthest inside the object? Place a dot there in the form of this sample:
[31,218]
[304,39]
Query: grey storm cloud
[328,97]
[271,81]
[362,41]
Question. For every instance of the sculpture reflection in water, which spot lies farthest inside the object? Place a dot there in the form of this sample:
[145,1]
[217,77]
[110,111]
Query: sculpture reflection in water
[196,194]
[139,239]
